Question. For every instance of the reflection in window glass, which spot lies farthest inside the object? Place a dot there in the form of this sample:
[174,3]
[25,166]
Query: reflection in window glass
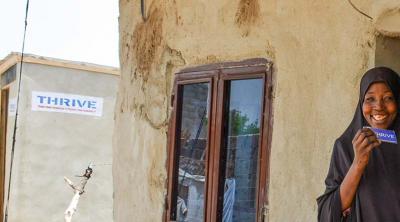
[242,131]
[192,152]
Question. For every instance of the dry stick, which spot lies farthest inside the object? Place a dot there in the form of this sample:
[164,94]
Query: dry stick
[78,191]
[358,10]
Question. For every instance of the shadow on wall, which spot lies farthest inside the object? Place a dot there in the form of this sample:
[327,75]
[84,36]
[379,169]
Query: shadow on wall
[388,52]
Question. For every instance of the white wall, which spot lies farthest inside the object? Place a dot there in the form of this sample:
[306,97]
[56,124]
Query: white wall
[53,145]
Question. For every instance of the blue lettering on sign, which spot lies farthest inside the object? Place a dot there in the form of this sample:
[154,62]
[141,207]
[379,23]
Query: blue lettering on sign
[41,98]
[92,104]
[52,101]
[65,101]
[81,103]
[388,136]
[73,103]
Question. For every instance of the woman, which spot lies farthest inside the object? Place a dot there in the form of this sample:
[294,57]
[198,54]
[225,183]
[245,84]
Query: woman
[363,182]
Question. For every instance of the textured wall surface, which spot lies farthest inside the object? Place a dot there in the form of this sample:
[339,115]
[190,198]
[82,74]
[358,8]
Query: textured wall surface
[10,127]
[52,145]
[319,50]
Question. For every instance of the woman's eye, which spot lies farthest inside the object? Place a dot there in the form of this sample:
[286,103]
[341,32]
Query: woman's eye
[388,98]
[369,99]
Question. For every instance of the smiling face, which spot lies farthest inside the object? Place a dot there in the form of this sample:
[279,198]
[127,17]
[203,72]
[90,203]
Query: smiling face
[379,106]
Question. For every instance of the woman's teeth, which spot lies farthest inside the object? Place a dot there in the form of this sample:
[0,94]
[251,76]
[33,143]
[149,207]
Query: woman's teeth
[379,117]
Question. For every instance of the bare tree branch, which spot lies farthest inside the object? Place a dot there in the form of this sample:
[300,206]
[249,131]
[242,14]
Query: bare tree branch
[78,191]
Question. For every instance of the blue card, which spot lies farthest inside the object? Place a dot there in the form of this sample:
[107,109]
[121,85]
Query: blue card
[383,135]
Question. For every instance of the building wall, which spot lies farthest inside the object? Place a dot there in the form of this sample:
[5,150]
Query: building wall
[319,50]
[52,145]
[9,137]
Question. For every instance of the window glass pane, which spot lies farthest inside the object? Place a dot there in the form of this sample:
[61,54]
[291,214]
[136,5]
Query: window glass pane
[242,131]
[192,152]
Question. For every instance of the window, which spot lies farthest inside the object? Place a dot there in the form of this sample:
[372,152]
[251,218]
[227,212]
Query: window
[219,141]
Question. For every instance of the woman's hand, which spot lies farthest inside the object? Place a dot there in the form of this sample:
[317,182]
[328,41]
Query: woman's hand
[363,142]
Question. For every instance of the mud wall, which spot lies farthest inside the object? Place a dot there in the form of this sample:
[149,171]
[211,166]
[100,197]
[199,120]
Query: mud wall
[319,51]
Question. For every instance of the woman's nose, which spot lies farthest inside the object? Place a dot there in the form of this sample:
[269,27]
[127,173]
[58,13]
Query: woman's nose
[379,105]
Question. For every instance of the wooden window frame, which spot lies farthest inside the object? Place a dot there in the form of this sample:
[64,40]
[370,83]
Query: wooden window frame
[217,75]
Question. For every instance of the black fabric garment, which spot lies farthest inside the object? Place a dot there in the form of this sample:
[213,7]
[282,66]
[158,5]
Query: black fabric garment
[378,195]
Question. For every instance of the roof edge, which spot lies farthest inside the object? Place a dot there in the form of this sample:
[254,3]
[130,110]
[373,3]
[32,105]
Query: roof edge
[15,57]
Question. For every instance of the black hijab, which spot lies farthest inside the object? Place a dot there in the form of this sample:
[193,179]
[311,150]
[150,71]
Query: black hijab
[378,194]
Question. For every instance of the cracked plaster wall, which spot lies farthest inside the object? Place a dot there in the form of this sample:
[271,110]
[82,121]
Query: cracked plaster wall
[319,49]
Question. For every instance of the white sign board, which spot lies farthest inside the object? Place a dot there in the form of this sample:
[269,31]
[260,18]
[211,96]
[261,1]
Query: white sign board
[12,106]
[67,103]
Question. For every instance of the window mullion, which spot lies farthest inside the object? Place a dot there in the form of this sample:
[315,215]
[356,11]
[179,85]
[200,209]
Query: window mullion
[211,148]
[216,150]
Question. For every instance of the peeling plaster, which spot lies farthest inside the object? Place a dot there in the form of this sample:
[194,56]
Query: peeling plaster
[247,13]
[148,38]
